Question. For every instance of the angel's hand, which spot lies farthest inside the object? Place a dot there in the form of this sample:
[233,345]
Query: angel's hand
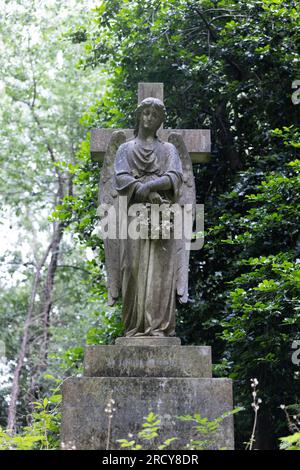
[142,193]
[155,198]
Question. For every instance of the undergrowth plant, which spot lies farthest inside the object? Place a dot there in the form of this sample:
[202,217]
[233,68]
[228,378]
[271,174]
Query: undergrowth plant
[204,432]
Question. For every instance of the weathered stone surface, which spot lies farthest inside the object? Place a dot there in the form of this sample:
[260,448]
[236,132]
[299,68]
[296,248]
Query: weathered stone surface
[155,89]
[85,423]
[198,142]
[148,341]
[154,266]
[145,361]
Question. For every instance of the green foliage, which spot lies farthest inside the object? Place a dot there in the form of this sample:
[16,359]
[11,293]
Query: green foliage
[109,326]
[231,65]
[261,317]
[43,94]
[148,433]
[227,66]
[42,433]
[206,431]
[290,442]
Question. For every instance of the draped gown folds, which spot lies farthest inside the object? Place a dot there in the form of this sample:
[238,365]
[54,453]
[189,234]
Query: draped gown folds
[148,266]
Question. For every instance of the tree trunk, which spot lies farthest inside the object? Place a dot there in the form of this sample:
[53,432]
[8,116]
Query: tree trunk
[11,420]
[64,184]
[48,289]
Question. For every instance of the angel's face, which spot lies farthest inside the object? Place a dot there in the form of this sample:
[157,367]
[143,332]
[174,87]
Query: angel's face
[150,119]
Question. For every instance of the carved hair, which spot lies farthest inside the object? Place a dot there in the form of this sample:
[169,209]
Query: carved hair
[158,106]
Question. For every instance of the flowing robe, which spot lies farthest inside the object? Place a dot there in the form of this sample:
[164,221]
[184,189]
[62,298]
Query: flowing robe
[148,266]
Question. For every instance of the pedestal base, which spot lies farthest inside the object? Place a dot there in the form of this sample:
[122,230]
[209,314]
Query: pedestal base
[169,381]
[147,361]
[148,341]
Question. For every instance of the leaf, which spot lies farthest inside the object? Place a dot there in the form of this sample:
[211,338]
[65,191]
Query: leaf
[55,398]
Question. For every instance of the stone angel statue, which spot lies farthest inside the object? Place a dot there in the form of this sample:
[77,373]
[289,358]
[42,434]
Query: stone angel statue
[150,273]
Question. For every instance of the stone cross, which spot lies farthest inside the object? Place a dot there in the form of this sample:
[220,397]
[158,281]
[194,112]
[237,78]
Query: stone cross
[197,141]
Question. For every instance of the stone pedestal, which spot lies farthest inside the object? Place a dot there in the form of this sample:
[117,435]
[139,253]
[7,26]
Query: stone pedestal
[143,375]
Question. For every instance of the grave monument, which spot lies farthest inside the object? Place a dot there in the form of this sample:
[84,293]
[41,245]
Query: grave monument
[147,369]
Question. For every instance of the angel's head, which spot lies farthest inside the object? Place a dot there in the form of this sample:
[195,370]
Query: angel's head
[150,113]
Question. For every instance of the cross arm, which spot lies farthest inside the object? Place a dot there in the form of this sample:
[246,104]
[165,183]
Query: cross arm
[197,141]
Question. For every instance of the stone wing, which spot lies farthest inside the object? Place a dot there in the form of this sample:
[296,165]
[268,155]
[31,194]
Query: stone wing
[108,195]
[187,196]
